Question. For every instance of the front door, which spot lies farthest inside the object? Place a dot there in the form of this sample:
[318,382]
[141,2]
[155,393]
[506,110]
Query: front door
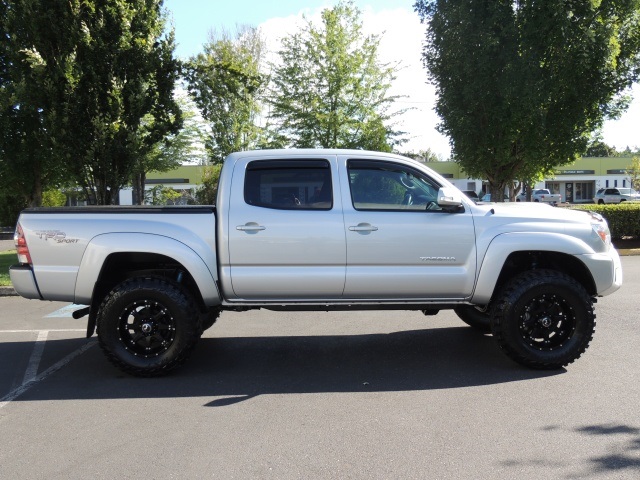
[400,243]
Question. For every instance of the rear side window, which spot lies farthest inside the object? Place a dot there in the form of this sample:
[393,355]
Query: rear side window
[289,184]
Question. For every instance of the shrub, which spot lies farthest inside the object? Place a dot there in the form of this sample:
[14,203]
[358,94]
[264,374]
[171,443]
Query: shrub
[53,198]
[623,219]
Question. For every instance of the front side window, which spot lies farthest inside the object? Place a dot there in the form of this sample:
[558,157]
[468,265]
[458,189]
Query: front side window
[289,184]
[388,186]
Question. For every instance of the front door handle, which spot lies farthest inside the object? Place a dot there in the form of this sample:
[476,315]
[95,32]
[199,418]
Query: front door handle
[363,227]
[250,227]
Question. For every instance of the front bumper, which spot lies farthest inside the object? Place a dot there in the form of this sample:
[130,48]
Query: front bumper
[606,269]
[24,282]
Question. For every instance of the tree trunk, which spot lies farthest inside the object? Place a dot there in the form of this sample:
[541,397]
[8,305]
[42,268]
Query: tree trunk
[138,188]
[497,192]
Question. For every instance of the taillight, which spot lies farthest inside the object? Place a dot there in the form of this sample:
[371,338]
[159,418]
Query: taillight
[21,246]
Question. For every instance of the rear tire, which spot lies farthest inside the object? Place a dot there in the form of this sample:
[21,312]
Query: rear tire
[148,326]
[543,319]
[481,321]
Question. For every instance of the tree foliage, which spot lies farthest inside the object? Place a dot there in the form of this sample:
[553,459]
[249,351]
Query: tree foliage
[633,172]
[424,156]
[184,147]
[598,148]
[31,88]
[521,85]
[88,91]
[208,191]
[329,88]
[225,82]
[122,85]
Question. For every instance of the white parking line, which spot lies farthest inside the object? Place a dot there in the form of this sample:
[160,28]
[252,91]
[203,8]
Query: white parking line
[65,312]
[36,355]
[38,331]
[54,368]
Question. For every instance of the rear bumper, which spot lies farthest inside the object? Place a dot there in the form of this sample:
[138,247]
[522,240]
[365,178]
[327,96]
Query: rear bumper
[24,281]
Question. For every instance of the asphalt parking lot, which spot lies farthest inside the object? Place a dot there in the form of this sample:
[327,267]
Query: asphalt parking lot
[320,395]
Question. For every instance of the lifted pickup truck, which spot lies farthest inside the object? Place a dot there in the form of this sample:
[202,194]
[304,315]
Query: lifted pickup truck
[321,230]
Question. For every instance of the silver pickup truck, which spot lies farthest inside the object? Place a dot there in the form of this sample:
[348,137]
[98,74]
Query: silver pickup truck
[318,230]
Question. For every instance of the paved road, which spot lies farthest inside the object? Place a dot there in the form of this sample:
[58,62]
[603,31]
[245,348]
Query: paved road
[350,395]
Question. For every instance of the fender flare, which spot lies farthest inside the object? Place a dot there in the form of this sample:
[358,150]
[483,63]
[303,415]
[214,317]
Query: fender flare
[201,264]
[505,244]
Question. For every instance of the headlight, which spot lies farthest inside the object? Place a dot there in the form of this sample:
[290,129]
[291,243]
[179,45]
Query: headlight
[602,230]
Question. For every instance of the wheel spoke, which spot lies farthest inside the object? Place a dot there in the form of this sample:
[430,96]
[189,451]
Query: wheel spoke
[137,337]
[546,322]
[147,329]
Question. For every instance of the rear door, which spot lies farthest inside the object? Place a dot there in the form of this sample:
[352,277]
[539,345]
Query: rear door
[286,230]
[400,243]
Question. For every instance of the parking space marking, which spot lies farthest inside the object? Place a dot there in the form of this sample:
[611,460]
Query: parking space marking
[36,355]
[38,331]
[54,368]
[65,312]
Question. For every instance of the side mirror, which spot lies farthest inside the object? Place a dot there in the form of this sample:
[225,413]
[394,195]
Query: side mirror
[449,197]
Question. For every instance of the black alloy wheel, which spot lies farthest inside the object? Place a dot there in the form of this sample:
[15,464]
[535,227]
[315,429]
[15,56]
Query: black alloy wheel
[148,326]
[543,319]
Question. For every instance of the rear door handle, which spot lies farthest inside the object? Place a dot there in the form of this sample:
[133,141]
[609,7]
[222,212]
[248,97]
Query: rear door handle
[363,227]
[250,227]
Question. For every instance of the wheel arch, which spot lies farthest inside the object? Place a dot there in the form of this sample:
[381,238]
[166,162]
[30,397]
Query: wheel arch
[112,258]
[505,259]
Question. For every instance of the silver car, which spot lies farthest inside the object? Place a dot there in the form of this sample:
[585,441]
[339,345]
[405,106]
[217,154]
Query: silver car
[616,195]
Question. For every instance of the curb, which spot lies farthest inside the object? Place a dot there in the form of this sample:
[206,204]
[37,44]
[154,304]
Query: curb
[7,292]
[629,252]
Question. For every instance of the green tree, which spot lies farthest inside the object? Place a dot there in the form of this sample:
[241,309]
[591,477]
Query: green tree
[598,148]
[161,195]
[225,82]
[86,92]
[184,147]
[634,173]
[30,91]
[424,156]
[121,89]
[208,191]
[329,88]
[521,85]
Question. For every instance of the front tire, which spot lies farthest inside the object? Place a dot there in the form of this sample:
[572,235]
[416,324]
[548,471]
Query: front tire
[543,319]
[148,326]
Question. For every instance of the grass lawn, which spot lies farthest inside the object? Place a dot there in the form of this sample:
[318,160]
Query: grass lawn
[6,260]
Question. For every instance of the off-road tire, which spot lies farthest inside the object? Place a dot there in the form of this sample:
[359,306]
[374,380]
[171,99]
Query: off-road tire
[148,326]
[209,318]
[480,321]
[543,319]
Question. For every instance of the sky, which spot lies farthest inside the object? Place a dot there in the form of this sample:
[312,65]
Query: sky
[401,41]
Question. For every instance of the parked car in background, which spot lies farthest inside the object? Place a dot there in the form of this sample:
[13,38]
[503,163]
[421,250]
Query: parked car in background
[471,194]
[487,198]
[541,195]
[616,195]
